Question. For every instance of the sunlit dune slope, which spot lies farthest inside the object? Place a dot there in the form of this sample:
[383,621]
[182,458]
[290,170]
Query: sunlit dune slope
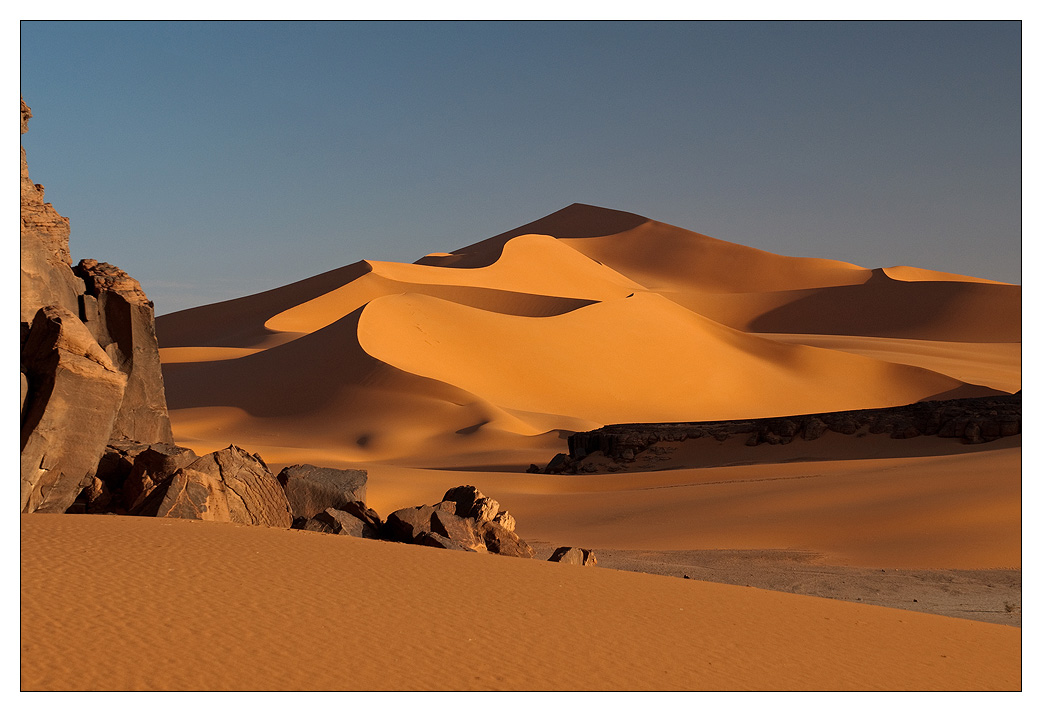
[584,317]
[642,359]
[250,608]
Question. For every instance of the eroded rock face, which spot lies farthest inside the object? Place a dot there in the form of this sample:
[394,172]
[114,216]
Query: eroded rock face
[74,393]
[228,485]
[46,277]
[312,489]
[122,320]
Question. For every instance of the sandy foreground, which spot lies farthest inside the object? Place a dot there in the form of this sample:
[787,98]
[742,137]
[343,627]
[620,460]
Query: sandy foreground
[145,604]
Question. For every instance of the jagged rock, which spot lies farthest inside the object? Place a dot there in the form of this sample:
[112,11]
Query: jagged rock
[572,555]
[410,523]
[119,315]
[74,394]
[533,469]
[557,464]
[439,541]
[24,391]
[312,489]
[504,542]
[335,521]
[471,503]
[506,520]
[228,485]
[460,530]
[46,276]
[153,467]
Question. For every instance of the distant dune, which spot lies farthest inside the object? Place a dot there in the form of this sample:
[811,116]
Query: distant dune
[585,317]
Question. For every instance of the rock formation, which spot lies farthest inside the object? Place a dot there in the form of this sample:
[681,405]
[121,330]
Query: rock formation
[90,362]
[572,555]
[465,519]
[73,397]
[46,274]
[973,420]
[121,318]
[311,489]
[228,485]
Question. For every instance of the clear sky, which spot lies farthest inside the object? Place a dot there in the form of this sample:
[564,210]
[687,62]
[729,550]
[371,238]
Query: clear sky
[214,160]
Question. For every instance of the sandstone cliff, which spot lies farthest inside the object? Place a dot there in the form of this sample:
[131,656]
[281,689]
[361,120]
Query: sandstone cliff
[90,361]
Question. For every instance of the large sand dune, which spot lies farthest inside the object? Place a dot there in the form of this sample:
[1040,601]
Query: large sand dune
[585,317]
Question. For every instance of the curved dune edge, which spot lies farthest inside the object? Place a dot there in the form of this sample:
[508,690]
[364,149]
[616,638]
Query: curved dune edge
[225,607]
[641,359]
[905,273]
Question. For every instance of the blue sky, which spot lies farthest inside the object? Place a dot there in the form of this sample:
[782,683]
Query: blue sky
[213,160]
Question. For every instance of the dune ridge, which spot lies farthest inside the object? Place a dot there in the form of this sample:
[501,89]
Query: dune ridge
[539,329]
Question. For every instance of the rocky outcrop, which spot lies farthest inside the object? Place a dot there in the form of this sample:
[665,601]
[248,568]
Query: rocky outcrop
[228,485]
[46,274]
[122,320]
[973,420]
[74,393]
[311,489]
[465,519]
[572,555]
[90,369]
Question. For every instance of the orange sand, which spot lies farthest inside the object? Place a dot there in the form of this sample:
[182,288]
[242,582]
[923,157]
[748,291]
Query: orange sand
[226,607]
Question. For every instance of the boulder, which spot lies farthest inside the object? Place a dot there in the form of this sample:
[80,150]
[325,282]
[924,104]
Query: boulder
[471,503]
[504,542]
[228,485]
[311,489]
[122,320]
[572,555]
[151,468]
[335,521]
[433,539]
[459,530]
[410,523]
[74,394]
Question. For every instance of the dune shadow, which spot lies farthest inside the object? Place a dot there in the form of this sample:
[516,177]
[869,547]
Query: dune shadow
[884,307]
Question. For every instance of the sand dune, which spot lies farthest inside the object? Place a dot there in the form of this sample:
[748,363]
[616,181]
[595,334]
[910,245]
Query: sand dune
[585,317]
[231,608]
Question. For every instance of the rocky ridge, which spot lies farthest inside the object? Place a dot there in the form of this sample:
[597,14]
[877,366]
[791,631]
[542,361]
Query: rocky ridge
[971,420]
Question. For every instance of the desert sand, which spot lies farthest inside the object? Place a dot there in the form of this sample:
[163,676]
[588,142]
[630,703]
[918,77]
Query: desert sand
[468,366]
[339,613]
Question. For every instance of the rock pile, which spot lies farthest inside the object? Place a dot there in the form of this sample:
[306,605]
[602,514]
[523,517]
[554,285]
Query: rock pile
[464,519]
[972,420]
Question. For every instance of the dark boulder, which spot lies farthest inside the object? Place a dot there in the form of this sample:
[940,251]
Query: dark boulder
[312,489]
[335,521]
